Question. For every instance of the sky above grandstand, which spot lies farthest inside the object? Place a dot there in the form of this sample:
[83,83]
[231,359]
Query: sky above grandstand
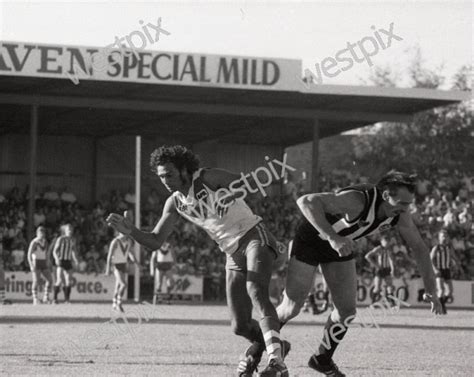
[309,31]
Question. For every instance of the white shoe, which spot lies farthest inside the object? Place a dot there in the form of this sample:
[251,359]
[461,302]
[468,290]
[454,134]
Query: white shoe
[36,301]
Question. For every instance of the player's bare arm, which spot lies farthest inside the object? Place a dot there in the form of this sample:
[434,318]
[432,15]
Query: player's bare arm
[455,260]
[392,265]
[48,256]
[157,236]
[432,257]
[55,251]
[313,207]
[371,255]
[152,263]
[131,255]
[74,254]
[412,237]
[30,257]
[109,256]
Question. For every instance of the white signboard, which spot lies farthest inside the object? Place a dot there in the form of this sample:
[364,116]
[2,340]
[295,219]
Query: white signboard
[84,287]
[77,63]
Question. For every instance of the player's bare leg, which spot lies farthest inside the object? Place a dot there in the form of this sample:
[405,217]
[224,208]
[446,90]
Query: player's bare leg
[299,281]
[377,289]
[67,285]
[34,286]
[169,284]
[389,291]
[121,285]
[240,307]
[326,297]
[342,282]
[448,292]
[159,277]
[440,292]
[116,289]
[259,270]
[47,286]
[3,300]
[57,285]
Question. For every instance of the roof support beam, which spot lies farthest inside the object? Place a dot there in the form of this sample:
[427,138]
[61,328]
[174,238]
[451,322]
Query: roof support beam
[202,108]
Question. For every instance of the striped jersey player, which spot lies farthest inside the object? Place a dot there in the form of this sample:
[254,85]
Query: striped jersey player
[380,258]
[64,253]
[331,223]
[443,257]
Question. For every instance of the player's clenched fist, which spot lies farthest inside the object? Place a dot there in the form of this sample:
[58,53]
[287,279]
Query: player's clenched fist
[344,246]
[120,223]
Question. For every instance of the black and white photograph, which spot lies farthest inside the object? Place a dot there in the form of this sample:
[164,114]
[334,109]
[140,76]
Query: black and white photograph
[236,188]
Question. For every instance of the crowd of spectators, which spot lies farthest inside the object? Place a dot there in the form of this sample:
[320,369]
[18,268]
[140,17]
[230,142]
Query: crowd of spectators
[443,201]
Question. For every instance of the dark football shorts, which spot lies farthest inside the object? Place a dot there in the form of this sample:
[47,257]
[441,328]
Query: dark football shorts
[444,273]
[315,251]
[164,266]
[122,267]
[40,265]
[66,264]
[383,272]
[257,237]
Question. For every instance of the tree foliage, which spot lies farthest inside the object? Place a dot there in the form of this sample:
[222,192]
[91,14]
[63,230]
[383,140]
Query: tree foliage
[439,138]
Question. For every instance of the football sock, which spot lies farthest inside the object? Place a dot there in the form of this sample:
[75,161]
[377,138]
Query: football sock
[34,292]
[332,336]
[67,292]
[46,292]
[271,335]
[56,291]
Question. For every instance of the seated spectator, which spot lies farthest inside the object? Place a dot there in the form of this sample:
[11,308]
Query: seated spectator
[82,265]
[67,196]
[15,196]
[18,258]
[153,201]
[39,217]
[50,195]
[465,220]
[458,243]
[130,197]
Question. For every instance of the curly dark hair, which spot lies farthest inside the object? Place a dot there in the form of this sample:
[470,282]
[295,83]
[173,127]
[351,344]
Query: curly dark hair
[179,156]
[395,179]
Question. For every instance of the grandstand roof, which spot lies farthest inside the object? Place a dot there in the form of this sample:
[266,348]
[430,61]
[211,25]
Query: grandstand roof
[195,114]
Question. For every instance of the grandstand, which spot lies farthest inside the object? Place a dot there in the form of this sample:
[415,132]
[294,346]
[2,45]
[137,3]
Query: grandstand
[346,126]
[79,141]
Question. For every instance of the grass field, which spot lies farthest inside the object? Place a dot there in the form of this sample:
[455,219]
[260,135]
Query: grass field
[195,340]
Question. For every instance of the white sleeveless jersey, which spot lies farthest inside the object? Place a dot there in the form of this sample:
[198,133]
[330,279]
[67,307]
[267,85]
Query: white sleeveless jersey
[121,247]
[39,249]
[164,257]
[199,207]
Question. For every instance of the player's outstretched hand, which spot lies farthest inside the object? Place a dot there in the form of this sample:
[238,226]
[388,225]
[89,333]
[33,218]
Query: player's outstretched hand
[343,245]
[436,307]
[120,223]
